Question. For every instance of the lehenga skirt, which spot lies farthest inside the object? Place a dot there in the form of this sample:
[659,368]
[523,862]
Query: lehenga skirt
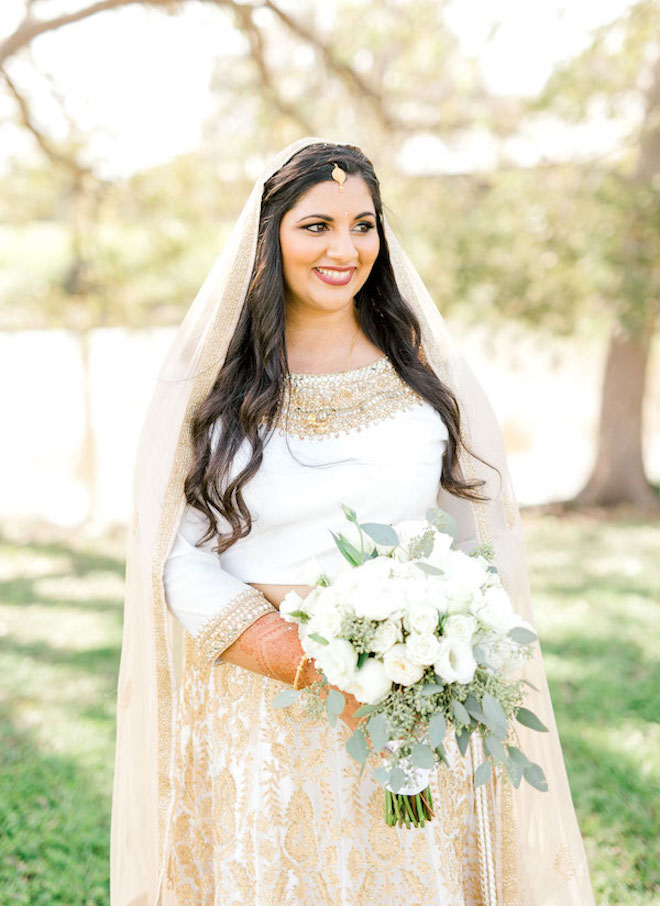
[270,810]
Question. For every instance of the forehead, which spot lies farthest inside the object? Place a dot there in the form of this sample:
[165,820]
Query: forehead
[325,198]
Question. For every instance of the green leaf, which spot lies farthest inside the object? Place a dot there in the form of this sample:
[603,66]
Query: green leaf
[440,752]
[300,615]
[495,717]
[531,685]
[460,712]
[522,635]
[396,779]
[479,655]
[379,731]
[463,740]
[380,775]
[473,708]
[483,773]
[422,756]
[442,521]
[518,757]
[286,697]
[350,514]
[356,746]
[381,534]
[362,657]
[363,710]
[494,747]
[430,570]
[431,688]
[346,549]
[533,774]
[335,703]
[515,772]
[491,569]
[528,719]
[318,638]
[437,730]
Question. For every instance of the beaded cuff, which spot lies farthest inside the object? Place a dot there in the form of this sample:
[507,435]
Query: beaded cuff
[225,627]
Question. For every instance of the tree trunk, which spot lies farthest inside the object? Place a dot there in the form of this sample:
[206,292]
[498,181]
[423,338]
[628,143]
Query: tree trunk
[618,475]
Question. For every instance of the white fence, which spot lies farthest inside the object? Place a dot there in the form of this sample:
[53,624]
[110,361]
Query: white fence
[72,407]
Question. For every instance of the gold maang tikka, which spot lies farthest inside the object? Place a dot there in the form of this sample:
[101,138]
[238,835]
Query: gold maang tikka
[339,176]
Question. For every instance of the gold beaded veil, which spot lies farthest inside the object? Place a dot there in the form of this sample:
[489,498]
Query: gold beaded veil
[536,855]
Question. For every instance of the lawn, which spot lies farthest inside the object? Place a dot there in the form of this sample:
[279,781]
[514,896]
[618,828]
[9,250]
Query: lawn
[596,587]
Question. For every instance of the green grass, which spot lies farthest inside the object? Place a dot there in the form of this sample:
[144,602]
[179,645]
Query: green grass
[596,590]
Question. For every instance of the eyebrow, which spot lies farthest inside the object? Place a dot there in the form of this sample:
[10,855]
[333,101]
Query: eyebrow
[330,219]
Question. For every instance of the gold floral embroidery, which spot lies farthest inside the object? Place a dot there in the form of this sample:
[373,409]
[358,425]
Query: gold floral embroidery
[225,627]
[328,405]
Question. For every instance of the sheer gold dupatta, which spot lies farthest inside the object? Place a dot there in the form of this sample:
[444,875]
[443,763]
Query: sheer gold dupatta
[531,848]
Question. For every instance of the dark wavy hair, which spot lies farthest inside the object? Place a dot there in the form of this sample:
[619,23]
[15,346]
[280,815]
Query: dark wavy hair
[247,389]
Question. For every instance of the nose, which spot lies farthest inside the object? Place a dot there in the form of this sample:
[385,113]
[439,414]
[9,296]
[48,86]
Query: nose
[341,246]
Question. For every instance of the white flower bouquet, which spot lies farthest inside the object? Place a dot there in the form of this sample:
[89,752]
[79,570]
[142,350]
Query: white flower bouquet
[425,636]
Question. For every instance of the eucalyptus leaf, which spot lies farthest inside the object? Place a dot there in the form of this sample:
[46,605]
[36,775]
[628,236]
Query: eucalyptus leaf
[473,708]
[479,655]
[494,747]
[286,697]
[518,757]
[442,521]
[495,717]
[531,685]
[533,774]
[460,713]
[441,753]
[437,730]
[430,570]
[362,657]
[491,569]
[522,635]
[379,731]
[463,740]
[431,688]
[528,719]
[300,615]
[380,533]
[380,775]
[422,756]
[483,773]
[356,746]
[335,703]
[396,779]
[515,772]
[363,710]
[318,638]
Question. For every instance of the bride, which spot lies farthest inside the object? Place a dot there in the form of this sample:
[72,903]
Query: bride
[312,368]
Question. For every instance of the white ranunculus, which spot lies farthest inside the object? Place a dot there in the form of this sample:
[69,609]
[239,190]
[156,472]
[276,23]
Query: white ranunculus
[338,661]
[495,611]
[400,666]
[460,626]
[423,649]
[291,602]
[310,571]
[387,634]
[421,618]
[370,684]
[455,663]
[329,619]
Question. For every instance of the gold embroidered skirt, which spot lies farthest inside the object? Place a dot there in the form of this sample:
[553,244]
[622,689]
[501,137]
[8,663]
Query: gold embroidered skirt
[270,810]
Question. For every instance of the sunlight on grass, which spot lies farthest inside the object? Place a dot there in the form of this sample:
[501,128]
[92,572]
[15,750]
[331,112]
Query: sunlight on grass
[596,589]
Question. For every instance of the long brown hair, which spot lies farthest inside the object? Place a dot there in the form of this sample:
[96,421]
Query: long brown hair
[245,395]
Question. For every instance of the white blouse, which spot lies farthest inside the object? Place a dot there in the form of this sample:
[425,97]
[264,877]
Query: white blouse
[363,438]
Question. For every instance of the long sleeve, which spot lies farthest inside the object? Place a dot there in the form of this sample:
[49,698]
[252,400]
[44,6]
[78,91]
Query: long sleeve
[212,605]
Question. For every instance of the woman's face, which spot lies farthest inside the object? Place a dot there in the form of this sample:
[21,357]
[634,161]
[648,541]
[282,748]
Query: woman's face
[329,244]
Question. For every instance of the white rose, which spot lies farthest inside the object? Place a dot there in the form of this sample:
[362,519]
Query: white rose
[503,654]
[424,649]
[455,663]
[329,618]
[495,611]
[400,667]
[421,618]
[441,546]
[460,626]
[386,635]
[338,661]
[463,577]
[291,602]
[370,684]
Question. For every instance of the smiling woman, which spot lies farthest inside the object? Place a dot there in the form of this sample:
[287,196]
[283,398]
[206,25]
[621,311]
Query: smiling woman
[312,368]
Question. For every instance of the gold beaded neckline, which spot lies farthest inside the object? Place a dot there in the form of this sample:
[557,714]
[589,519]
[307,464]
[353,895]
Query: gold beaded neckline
[332,404]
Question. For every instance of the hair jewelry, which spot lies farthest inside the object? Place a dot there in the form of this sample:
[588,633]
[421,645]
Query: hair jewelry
[339,176]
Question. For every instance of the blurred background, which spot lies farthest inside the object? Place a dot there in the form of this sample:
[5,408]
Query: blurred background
[518,147]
